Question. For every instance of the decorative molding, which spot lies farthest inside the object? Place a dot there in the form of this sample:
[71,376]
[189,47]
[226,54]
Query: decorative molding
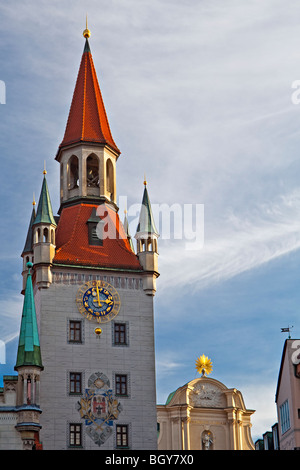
[207,395]
[74,278]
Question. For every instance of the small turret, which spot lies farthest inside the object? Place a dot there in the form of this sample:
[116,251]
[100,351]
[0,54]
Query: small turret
[146,236]
[29,366]
[44,238]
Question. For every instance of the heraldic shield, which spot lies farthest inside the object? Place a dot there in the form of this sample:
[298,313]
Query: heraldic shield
[99,408]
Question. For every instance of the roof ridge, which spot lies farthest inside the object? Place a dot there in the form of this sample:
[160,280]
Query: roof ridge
[84,96]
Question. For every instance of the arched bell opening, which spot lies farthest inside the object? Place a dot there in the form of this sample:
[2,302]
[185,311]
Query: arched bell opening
[110,184]
[92,171]
[73,173]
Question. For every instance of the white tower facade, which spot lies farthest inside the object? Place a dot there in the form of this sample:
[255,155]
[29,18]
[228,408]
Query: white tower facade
[93,295]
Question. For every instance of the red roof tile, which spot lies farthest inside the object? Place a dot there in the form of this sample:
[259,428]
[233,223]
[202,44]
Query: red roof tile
[72,241]
[87,121]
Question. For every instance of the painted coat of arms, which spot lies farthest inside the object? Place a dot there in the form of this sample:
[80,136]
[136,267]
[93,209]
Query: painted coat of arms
[99,408]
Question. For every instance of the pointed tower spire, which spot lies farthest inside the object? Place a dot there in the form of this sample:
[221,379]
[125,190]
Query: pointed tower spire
[29,351]
[146,225]
[29,366]
[27,253]
[44,212]
[28,243]
[87,120]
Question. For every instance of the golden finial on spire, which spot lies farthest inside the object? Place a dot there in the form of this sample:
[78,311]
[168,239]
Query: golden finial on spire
[33,202]
[145,181]
[45,171]
[203,365]
[86,32]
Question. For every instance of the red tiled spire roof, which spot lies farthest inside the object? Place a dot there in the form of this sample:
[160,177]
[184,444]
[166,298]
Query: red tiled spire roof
[72,241]
[87,121]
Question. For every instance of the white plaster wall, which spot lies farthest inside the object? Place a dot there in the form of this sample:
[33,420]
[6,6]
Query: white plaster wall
[56,306]
[9,437]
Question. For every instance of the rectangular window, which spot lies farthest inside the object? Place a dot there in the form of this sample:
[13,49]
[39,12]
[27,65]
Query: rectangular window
[122,435]
[120,334]
[121,385]
[284,417]
[75,382]
[75,434]
[75,333]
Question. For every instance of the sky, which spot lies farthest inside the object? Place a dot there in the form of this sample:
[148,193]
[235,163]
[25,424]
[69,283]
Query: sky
[201,98]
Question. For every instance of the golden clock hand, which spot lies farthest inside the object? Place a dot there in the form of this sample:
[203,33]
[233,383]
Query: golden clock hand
[98,297]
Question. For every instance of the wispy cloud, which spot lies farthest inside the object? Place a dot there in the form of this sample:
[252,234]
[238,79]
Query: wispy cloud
[198,96]
[247,241]
[260,397]
[11,312]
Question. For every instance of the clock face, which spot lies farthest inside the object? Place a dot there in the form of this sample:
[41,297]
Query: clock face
[98,300]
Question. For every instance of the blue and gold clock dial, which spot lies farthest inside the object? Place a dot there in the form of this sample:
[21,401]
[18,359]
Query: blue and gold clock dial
[98,300]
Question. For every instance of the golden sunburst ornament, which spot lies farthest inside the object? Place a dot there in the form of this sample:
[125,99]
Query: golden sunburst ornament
[204,365]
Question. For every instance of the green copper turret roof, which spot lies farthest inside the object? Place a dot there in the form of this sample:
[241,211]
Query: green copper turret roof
[146,223]
[29,352]
[44,212]
[28,243]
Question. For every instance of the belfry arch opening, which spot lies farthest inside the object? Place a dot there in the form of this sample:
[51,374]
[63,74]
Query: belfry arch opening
[110,179]
[45,235]
[92,171]
[73,172]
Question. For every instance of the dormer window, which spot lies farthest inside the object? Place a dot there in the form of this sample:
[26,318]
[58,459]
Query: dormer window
[95,227]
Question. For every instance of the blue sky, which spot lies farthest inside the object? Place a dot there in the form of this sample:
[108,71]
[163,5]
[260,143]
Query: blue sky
[198,96]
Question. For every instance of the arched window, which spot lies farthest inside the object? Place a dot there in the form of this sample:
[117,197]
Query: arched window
[45,235]
[110,178]
[73,173]
[92,171]
[61,179]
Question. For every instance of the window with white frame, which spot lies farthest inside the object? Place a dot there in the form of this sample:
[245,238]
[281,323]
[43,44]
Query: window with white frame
[284,417]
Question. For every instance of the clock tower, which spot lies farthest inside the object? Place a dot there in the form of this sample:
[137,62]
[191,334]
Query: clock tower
[93,294]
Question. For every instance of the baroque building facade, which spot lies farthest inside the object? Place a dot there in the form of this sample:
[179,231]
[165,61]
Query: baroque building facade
[204,415]
[86,359]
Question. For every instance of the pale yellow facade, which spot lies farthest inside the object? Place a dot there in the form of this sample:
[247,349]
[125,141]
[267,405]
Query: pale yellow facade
[204,415]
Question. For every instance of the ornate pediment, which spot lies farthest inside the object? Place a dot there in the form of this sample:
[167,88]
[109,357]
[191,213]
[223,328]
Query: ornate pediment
[207,395]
